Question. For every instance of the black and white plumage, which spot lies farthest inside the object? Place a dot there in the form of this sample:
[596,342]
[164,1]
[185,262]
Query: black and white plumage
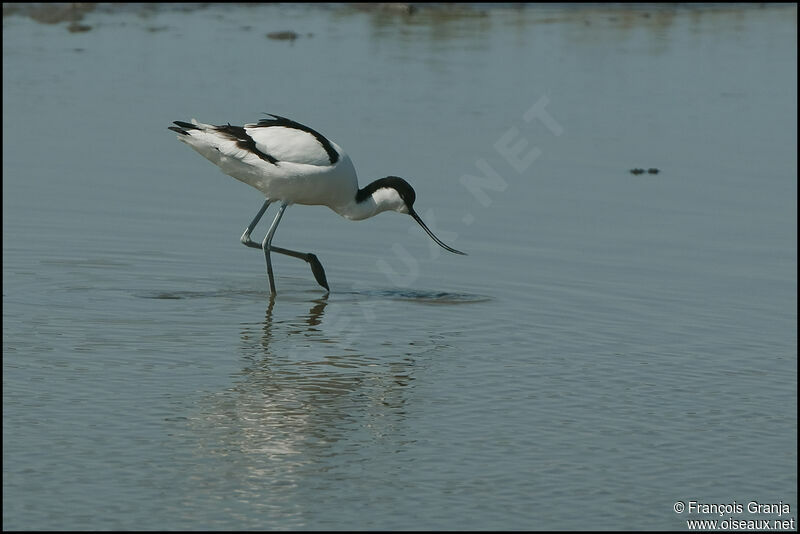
[291,163]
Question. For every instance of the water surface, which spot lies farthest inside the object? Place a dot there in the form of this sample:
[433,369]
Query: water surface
[613,342]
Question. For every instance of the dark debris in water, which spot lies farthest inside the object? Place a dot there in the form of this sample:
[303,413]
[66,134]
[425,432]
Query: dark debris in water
[283,36]
[651,170]
[76,27]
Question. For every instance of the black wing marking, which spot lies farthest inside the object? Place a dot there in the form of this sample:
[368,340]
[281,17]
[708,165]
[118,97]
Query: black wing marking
[183,127]
[244,141]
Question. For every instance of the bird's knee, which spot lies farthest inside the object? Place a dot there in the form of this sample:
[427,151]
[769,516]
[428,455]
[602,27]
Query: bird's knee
[246,241]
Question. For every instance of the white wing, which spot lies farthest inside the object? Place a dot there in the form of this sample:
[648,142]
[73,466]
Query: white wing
[288,144]
[287,140]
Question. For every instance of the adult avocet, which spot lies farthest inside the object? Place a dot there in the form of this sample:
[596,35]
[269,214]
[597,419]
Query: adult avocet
[293,164]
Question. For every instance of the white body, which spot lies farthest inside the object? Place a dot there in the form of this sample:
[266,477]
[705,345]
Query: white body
[301,174]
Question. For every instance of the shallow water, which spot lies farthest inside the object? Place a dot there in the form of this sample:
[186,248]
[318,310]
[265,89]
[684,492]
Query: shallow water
[613,342]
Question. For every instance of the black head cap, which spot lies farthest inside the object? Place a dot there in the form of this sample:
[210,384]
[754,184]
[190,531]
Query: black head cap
[402,187]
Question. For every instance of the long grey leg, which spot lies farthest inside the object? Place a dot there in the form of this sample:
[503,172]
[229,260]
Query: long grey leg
[245,239]
[266,245]
[311,259]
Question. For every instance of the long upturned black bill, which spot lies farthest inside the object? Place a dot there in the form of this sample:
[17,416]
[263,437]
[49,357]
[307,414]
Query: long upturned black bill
[438,241]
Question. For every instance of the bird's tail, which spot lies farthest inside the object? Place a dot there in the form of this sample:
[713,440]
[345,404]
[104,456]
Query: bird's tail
[204,138]
[185,128]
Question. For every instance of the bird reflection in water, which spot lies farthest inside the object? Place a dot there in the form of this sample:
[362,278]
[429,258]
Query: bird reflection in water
[305,396]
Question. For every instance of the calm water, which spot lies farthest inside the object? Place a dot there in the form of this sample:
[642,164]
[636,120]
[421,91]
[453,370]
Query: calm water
[612,344]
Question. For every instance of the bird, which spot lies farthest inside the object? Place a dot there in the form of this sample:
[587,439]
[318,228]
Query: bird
[290,163]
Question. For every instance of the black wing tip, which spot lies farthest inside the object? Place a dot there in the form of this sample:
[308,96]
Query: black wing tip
[187,125]
[183,127]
